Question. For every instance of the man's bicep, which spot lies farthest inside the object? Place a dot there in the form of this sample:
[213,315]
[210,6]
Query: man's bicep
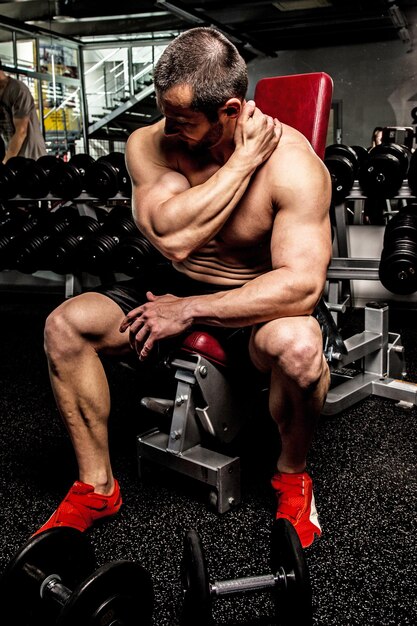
[155,186]
[301,237]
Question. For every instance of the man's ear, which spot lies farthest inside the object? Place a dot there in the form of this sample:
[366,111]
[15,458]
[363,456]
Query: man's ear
[232,108]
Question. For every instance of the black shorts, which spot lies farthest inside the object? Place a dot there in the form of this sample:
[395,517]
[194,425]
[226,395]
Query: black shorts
[162,279]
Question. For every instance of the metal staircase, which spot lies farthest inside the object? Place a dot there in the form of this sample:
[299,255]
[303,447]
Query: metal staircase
[120,98]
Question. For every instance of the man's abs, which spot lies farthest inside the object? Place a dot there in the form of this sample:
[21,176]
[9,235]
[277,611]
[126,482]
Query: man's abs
[218,264]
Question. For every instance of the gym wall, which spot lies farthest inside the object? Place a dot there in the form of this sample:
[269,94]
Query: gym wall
[376,82]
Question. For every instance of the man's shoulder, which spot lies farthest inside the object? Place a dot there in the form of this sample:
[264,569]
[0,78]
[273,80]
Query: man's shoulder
[295,147]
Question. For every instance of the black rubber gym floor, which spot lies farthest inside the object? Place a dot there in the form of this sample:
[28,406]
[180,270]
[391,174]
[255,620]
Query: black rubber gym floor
[363,461]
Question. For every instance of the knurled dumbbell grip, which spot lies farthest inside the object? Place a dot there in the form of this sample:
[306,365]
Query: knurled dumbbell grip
[238,585]
[49,585]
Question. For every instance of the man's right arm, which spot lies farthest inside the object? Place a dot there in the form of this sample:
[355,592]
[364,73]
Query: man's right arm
[17,139]
[178,218]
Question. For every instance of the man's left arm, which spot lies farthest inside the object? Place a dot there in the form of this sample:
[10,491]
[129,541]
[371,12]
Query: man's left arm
[300,254]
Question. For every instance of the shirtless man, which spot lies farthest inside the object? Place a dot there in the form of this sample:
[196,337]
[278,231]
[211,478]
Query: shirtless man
[239,204]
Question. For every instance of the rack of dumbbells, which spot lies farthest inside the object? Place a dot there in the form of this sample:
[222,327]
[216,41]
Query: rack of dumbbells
[373,187]
[376,187]
[72,218]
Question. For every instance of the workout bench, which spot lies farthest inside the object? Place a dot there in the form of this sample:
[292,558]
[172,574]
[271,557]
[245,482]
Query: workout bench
[205,405]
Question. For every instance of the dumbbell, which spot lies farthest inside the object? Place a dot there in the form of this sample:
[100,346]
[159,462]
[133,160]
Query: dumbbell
[64,257]
[97,251]
[384,171]
[37,177]
[52,580]
[10,237]
[108,176]
[398,263]
[289,580]
[10,176]
[134,253]
[343,164]
[68,179]
[32,250]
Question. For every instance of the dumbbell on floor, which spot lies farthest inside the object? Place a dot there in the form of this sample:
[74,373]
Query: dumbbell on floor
[289,580]
[52,579]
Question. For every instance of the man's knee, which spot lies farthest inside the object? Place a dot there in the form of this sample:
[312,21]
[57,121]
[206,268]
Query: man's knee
[60,333]
[293,347]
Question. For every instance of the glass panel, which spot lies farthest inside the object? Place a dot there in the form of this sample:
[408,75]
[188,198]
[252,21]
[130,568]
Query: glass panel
[106,80]
[58,59]
[6,47]
[26,54]
[61,117]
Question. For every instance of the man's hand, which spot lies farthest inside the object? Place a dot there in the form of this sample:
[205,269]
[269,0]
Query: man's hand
[159,318]
[256,133]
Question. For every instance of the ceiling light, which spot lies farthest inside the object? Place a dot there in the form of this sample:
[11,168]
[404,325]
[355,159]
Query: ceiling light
[301,5]
[102,18]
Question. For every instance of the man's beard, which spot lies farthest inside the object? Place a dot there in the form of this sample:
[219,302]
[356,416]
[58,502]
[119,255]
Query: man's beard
[210,139]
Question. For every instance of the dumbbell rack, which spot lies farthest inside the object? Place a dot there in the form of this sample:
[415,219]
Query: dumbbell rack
[86,206]
[379,352]
[344,268]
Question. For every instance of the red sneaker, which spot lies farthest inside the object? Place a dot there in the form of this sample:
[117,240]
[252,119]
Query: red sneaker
[81,507]
[296,503]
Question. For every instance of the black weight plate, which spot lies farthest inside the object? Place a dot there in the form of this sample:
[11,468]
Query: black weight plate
[133,254]
[294,601]
[117,159]
[66,181]
[339,149]
[342,175]
[381,176]
[403,224]
[119,593]
[401,153]
[82,161]
[34,183]
[101,180]
[63,551]
[196,608]
[361,153]
[398,268]
[8,183]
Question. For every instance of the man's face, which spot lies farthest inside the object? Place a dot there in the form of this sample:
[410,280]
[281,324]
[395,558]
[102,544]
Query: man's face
[191,127]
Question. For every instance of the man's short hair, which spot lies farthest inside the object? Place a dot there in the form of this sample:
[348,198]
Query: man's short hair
[209,63]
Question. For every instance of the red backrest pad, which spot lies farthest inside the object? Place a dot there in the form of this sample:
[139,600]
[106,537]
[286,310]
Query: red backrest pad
[302,101]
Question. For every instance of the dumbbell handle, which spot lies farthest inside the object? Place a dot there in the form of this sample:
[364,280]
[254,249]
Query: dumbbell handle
[249,583]
[50,585]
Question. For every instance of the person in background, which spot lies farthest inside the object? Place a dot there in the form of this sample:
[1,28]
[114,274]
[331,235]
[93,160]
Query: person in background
[376,138]
[19,123]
